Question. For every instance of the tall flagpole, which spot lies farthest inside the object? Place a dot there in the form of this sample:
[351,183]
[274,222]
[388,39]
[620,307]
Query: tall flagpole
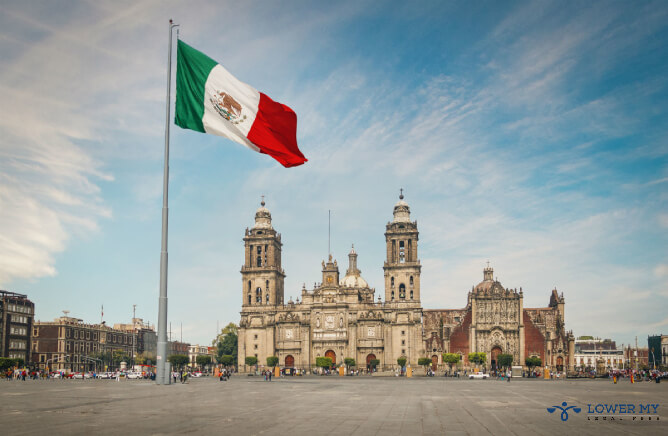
[162,376]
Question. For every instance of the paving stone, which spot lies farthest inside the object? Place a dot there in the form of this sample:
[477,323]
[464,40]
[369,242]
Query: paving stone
[321,405]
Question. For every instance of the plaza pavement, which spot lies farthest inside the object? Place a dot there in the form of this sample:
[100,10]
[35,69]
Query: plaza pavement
[314,405]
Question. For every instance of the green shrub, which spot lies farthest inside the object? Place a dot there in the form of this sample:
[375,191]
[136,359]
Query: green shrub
[323,362]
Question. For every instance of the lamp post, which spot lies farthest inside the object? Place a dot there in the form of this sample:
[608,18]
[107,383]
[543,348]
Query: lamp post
[134,307]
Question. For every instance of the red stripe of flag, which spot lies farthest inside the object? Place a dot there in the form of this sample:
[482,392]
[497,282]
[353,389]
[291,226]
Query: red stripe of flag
[274,131]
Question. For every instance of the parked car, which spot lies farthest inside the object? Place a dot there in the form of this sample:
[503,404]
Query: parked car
[106,375]
[478,375]
[134,375]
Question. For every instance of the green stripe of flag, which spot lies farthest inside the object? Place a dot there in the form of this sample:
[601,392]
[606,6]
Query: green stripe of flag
[192,70]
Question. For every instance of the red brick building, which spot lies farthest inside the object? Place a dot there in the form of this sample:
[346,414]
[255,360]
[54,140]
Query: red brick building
[69,344]
[495,322]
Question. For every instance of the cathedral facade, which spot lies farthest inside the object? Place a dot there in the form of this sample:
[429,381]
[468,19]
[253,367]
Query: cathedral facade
[340,317]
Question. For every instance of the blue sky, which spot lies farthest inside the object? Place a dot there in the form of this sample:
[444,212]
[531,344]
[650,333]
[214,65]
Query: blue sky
[529,134]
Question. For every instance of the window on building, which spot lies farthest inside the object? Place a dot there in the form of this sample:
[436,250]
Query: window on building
[265,254]
[411,281]
[267,298]
[403,352]
[255,346]
[411,295]
[249,299]
[403,342]
[402,252]
[258,295]
[392,295]
[403,332]
[249,285]
[392,282]
[402,291]
[255,336]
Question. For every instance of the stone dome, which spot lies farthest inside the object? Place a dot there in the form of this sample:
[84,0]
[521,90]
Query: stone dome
[262,217]
[352,281]
[353,278]
[402,212]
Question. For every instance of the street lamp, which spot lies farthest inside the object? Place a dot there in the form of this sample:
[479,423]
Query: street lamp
[653,360]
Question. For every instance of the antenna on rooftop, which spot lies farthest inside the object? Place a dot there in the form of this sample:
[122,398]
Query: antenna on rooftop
[66,312]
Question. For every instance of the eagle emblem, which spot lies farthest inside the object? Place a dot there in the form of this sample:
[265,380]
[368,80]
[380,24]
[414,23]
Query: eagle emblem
[227,107]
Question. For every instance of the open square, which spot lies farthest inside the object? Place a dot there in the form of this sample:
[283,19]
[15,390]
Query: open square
[317,405]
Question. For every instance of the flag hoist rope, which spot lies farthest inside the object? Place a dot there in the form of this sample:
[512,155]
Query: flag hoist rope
[163,376]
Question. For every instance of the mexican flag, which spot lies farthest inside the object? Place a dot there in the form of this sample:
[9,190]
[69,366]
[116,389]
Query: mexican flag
[211,100]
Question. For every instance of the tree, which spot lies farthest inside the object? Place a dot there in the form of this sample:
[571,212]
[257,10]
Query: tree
[401,361]
[478,358]
[178,360]
[323,362]
[203,360]
[6,363]
[424,361]
[374,363]
[226,341]
[226,360]
[451,359]
[140,359]
[103,356]
[272,361]
[504,360]
[349,361]
[533,362]
[118,356]
[251,360]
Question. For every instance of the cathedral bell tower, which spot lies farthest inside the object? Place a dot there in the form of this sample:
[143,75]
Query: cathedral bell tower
[262,276]
[402,267]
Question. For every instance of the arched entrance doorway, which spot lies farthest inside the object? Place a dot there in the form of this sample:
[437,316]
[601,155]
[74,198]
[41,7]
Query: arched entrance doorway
[560,363]
[369,358]
[289,361]
[332,355]
[434,362]
[495,356]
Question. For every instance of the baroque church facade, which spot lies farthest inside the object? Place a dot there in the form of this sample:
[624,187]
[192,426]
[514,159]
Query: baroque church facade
[341,318]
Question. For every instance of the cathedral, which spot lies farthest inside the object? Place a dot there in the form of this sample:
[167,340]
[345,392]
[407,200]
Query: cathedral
[340,317]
